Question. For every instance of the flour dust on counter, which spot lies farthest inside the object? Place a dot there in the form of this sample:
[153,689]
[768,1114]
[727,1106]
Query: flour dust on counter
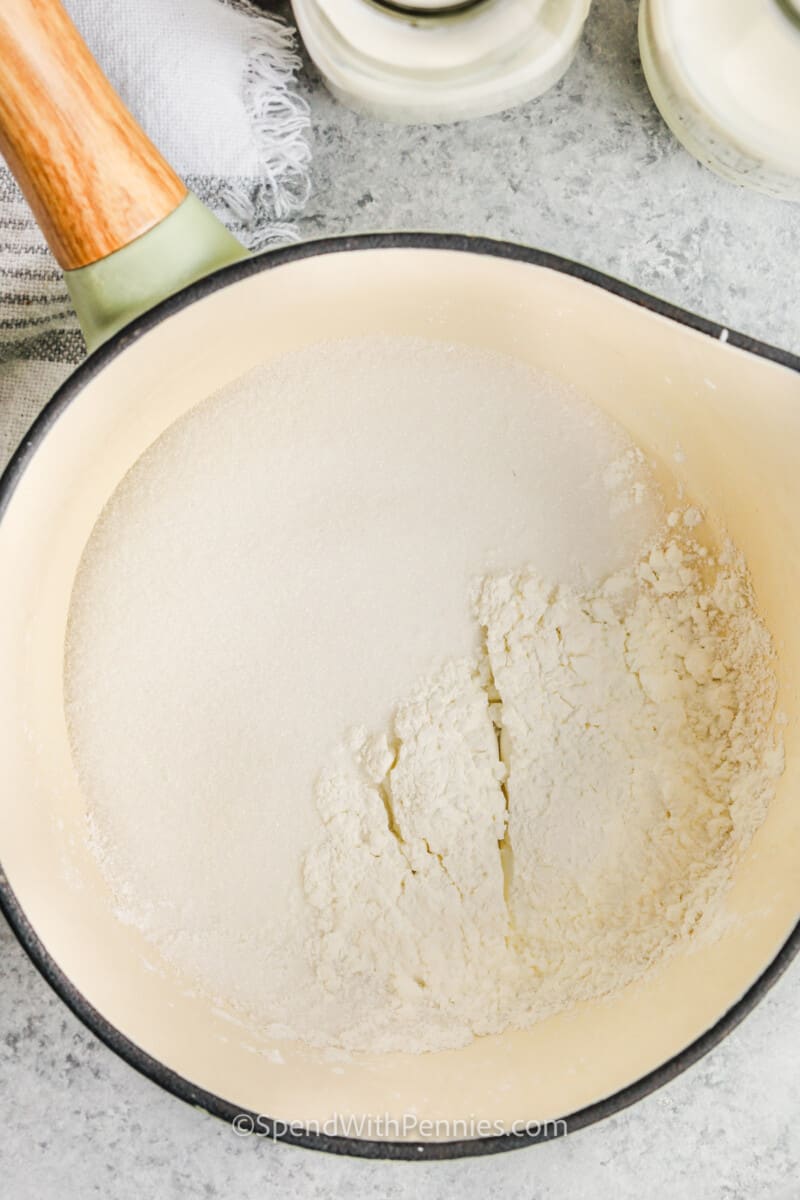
[402,711]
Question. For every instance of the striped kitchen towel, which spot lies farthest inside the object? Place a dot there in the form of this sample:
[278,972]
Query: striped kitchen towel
[214,89]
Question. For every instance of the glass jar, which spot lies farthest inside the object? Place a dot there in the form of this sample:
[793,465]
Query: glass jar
[725,75]
[430,61]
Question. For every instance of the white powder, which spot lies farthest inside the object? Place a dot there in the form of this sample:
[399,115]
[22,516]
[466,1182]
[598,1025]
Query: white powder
[462,890]
[296,557]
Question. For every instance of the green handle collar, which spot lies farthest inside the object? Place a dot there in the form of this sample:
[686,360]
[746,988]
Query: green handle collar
[186,245]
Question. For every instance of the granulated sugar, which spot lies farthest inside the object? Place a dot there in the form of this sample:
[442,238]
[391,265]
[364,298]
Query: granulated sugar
[297,631]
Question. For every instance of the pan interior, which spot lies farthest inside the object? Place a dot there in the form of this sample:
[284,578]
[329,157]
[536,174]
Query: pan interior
[735,419]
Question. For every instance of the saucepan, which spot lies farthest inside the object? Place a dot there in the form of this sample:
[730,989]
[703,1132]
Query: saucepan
[174,309]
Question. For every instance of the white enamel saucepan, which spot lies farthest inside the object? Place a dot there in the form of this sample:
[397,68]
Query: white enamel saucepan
[121,224]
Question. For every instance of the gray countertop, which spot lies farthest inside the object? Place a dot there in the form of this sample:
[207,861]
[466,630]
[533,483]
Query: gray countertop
[589,172]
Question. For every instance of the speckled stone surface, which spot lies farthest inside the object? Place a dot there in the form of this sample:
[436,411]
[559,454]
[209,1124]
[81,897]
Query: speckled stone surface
[590,172]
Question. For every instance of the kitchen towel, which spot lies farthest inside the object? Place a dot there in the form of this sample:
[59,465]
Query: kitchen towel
[212,83]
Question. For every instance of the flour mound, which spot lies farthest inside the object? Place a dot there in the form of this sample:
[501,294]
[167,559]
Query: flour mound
[543,824]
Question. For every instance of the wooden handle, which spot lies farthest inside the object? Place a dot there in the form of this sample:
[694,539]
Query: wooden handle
[93,179]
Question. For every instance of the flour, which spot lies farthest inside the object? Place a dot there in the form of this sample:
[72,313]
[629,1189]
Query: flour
[550,820]
[410,942]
